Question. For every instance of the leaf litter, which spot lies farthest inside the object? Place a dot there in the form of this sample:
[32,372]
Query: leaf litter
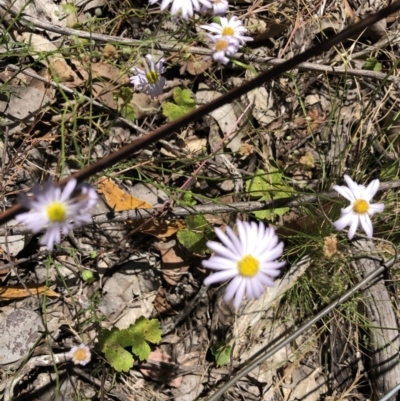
[302,130]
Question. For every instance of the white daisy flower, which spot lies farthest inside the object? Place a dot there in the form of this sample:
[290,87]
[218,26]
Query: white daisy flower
[149,80]
[223,47]
[80,354]
[185,8]
[219,7]
[360,209]
[233,27]
[60,210]
[249,260]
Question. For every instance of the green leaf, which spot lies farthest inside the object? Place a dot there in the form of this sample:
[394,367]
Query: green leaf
[188,199]
[115,336]
[194,242]
[268,186]
[372,64]
[183,104]
[153,332]
[120,359]
[198,223]
[143,331]
[141,350]
[112,342]
[183,97]
[124,93]
[128,112]
[196,235]
[146,330]
[222,353]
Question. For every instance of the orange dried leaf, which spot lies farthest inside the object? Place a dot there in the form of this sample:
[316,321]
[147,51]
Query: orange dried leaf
[119,200]
[18,291]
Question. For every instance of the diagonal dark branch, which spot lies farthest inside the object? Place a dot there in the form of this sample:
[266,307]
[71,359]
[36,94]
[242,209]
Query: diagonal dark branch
[228,97]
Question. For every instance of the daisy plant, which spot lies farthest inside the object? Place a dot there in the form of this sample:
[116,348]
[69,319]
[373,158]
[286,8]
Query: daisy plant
[61,210]
[360,210]
[249,260]
[226,37]
[223,48]
[80,354]
[229,27]
[149,80]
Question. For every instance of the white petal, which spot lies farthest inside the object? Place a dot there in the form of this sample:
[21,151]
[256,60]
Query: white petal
[344,221]
[227,241]
[266,280]
[372,189]
[220,57]
[249,289]
[213,27]
[235,240]
[272,254]
[242,235]
[258,287]
[251,237]
[376,208]
[239,295]
[68,189]
[358,190]
[51,237]
[366,224]
[233,287]
[220,250]
[272,268]
[345,192]
[223,275]
[219,263]
[353,227]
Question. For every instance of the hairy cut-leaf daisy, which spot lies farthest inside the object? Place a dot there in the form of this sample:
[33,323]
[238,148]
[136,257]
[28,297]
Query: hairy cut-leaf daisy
[360,210]
[248,260]
[223,48]
[80,354]
[228,27]
[61,210]
[149,80]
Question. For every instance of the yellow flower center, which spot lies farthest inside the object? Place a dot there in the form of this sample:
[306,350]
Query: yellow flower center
[361,206]
[221,45]
[152,77]
[248,266]
[228,31]
[80,354]
[56,212]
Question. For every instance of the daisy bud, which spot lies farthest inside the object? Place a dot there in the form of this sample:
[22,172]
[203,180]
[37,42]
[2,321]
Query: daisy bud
[360,210]
[248,260]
